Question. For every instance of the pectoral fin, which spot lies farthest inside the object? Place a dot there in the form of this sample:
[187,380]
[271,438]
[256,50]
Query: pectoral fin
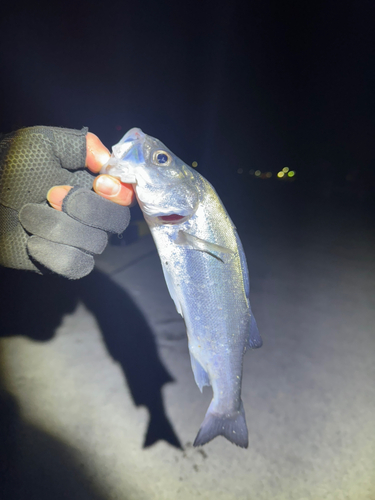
[196,243]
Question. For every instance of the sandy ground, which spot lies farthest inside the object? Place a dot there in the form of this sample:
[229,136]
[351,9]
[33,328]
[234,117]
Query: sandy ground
[99,400]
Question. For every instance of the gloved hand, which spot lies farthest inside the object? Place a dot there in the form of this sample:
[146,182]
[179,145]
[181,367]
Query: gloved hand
[34,236]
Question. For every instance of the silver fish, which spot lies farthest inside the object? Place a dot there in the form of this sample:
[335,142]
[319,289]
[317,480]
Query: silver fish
[205,270]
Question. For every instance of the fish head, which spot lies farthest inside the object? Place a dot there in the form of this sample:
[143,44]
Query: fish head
[165,186]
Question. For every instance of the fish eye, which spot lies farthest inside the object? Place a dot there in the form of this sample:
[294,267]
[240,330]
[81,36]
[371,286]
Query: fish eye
[161,157]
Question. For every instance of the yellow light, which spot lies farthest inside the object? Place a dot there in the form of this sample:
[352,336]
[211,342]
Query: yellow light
[285,170]
[257,173]
[280,174]
[268,175]
[194,164]
[291,173]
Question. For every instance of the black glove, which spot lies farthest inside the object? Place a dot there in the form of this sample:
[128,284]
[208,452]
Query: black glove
[34,236]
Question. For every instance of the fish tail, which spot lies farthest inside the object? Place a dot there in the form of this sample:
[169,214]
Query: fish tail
[231,426]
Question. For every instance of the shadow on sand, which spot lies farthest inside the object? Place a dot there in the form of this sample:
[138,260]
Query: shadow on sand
[33,306]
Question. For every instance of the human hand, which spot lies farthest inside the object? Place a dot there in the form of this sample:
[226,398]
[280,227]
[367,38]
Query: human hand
[33,236]
[106,186]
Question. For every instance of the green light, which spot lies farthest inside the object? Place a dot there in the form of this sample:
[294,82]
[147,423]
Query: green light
[291,173]
[257,173]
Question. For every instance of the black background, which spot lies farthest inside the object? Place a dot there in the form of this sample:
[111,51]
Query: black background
[252,85]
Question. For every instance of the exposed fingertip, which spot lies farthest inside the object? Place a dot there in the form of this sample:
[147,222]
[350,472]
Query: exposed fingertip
[112,189]
[97,154]
[56,195]
[107,186]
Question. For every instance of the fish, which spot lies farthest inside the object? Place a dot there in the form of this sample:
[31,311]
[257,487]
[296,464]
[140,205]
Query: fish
[205,270]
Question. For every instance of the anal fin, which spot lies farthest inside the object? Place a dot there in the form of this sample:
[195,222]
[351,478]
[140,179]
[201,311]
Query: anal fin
[200,374]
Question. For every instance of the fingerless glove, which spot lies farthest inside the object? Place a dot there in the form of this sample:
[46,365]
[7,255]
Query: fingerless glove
[36,237]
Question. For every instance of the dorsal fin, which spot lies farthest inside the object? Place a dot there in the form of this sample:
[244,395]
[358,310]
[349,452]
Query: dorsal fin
[255,340]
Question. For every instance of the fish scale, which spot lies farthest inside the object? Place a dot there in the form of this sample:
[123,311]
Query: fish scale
[205,270]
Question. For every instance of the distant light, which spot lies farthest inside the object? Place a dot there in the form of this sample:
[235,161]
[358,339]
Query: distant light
[257,173]
[280,174]
[194,164]
[251,172]
[240,171]
[118,127]
[285,170]
[268,175]
[291,173]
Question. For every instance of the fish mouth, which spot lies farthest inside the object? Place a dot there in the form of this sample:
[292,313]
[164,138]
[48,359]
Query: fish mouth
[172,218]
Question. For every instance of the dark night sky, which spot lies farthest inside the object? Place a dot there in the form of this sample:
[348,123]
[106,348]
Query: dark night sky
[254,84]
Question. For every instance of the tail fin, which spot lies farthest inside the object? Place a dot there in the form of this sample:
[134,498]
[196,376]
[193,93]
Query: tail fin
[232,427]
